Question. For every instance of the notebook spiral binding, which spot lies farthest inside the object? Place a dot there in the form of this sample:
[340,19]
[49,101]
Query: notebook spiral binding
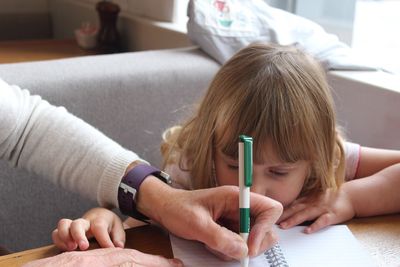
[275,257]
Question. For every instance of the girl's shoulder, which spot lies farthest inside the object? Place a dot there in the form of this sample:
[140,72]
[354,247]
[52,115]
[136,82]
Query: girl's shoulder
[352,159]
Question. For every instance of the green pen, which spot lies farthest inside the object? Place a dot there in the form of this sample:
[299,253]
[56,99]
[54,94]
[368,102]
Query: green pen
[245,181]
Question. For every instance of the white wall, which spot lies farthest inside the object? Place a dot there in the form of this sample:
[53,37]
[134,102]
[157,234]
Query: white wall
[138,33]
[23,6]
[36,19]
[24,19]
[159,10]
[368,107]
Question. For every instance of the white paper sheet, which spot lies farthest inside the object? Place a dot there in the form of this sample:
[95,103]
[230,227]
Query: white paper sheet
[333,246]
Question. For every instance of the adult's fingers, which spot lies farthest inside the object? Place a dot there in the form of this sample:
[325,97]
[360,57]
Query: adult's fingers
[265,212]
[265,240]
[218,254]
[269,240]
[222,240]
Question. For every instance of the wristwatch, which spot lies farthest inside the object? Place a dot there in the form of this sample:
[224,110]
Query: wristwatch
[130,185]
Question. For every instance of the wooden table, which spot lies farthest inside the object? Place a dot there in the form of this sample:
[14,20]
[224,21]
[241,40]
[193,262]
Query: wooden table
[148,239]
[379,235]
[33,50]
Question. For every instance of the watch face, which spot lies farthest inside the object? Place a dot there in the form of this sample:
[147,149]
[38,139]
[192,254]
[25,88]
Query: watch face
[165,177]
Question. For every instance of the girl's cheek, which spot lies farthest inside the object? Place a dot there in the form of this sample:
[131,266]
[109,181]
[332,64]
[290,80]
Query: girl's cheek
[287,198]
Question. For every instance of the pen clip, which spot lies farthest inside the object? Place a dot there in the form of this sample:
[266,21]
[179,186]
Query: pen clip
[248,159]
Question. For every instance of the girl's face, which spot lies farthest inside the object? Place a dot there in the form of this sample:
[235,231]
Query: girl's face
[273,178]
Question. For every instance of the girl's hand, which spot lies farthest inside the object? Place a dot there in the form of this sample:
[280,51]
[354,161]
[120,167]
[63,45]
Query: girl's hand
[100,223]
[329,207]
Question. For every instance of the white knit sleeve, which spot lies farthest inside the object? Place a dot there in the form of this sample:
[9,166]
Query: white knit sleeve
[54,144]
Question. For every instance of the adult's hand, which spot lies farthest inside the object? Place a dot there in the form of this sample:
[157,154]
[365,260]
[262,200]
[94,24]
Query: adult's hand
[105,257]
[195,215]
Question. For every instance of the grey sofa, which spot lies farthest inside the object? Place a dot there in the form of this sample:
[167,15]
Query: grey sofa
[132,98]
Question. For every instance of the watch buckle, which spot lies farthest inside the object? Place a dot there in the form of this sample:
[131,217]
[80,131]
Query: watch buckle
[127,189]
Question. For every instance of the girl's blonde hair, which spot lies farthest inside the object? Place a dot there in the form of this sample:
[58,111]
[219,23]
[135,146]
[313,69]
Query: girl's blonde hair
[269,92]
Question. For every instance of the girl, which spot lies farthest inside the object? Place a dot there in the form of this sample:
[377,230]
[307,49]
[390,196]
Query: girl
[279,96]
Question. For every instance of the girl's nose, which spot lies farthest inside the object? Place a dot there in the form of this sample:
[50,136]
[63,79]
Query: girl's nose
[260,184]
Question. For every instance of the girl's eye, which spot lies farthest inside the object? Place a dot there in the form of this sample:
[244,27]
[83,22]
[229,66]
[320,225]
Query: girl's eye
[278,173]
[233,167]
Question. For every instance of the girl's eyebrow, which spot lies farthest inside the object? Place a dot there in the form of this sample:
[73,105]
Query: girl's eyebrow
[279,164]
[285,166]
[226,157]
[275,164]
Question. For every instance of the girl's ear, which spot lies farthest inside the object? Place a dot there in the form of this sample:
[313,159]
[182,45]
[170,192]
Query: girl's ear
[336,159]
[169,138]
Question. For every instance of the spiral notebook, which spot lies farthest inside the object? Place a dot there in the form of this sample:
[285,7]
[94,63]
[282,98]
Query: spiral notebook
[333,246]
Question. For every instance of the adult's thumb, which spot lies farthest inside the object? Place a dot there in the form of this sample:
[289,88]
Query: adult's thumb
[224,241]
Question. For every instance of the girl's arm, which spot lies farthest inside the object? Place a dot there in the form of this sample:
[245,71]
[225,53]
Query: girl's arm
[373,160]
[377,187]
[374,191]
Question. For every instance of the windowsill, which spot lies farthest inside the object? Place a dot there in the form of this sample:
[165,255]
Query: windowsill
[172,26]
[179,27]
[378,79]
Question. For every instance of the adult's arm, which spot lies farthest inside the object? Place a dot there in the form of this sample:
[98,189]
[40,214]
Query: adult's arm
[52,143]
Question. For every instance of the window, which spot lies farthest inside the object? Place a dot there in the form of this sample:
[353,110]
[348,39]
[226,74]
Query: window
[370,27]
[376,33]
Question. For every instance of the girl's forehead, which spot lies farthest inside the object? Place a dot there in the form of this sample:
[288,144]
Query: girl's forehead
[269,158]
[284,142]
[263,151]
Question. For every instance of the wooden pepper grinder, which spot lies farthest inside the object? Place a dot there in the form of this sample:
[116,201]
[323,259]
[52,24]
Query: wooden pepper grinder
[108,37]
